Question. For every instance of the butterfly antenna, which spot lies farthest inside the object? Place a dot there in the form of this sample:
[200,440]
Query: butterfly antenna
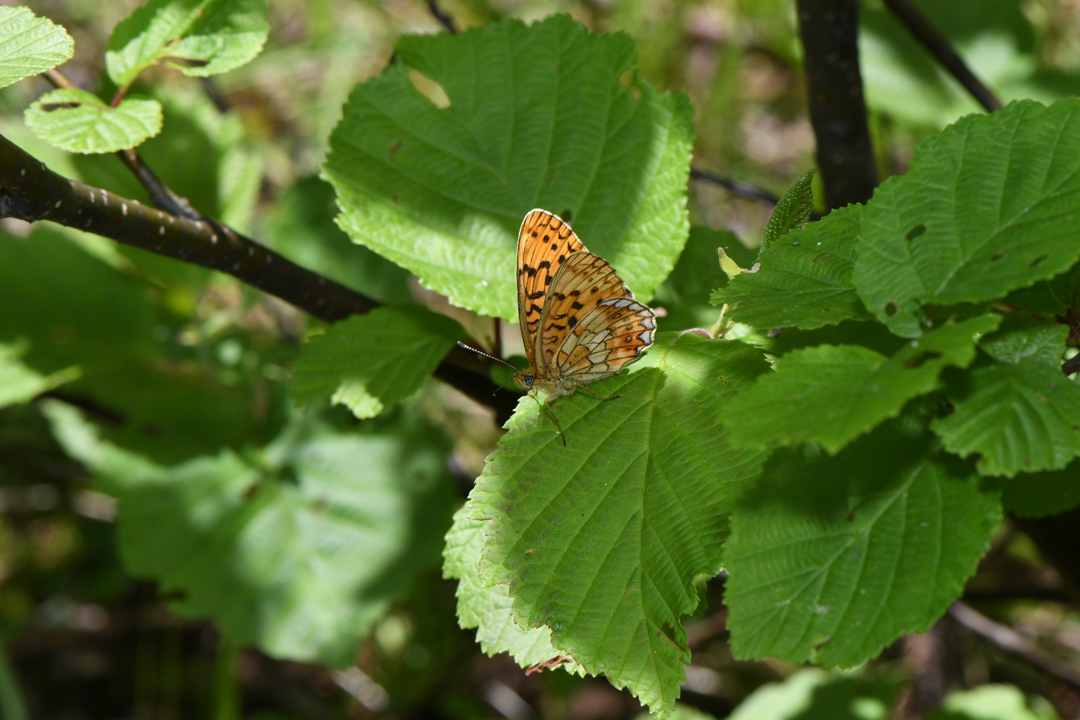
[489,357]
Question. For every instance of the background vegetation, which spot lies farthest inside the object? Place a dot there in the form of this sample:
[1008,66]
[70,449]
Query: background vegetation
[214,503]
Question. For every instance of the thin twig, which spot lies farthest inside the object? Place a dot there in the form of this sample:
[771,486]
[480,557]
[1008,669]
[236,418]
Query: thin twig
[442,17]
[736,187]
[937,46]
[1014,643]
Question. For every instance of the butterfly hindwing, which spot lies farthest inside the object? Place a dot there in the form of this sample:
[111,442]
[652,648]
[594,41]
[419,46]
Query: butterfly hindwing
[582,282]
[611,335]
[544,243]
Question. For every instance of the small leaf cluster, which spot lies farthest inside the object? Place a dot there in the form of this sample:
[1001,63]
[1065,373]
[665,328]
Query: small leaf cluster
[200,39]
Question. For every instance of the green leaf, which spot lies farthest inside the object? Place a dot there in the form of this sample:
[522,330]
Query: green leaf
[990,702]
[488,608]
[197,37]
[833,558]
[987,207]
[73,308]
[831,394]
[302,229]
[804,280]
[370,362]
[79,122]
[792,212]
[297,549]
[685,293]
[18,383]
[30,45]
[815,693]
[1021,413]
[604,540]
[537,117]
[1038,494]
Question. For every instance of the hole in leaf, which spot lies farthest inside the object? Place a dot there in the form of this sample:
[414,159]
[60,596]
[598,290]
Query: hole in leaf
[891,308]
[998,255]
[921,358]
[430,89]
[1037,260]
[50,107]
[915,232]
[822,257]
[626,79]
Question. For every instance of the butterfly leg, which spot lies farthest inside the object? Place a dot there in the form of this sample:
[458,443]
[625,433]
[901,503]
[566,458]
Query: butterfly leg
[544,406]
[598,397]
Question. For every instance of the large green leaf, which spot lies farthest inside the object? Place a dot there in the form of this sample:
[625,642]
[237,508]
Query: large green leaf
[30,45]
[537,117]
[804,280]
[1021,414]
[297,549]
[831,394]
[814,694]
[80,122]
[372,361]
[833,558]
[488,609]
[18,383]
[988,206]
[604,540]
[197,37]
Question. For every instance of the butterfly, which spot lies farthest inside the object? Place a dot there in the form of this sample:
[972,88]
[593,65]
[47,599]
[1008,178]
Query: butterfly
[579,322]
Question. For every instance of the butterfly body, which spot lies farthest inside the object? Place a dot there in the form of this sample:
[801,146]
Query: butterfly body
[579,322]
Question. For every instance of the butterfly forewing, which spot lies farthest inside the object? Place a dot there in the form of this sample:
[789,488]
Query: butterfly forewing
[583,281]
[544,243]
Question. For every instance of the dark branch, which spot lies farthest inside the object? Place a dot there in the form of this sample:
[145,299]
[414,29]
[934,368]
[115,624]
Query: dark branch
[1014,643]
[442,17]
[829,29]
[937,46]
[30,191]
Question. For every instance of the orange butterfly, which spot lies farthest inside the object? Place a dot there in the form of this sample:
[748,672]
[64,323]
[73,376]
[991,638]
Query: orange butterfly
[579,322]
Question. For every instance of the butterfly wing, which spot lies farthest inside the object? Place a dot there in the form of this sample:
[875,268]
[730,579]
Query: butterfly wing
[544,243]
[592,326]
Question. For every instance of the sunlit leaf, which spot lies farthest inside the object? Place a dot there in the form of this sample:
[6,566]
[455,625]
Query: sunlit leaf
[79,122]
[539,115]
[988,206]
[197,37]
[831,394]
[30,45]
[488,608]
[815,693]
[804,280]
[792,212]
[604,540]
[372,361]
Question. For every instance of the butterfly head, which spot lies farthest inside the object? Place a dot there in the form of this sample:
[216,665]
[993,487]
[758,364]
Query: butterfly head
[525,380]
